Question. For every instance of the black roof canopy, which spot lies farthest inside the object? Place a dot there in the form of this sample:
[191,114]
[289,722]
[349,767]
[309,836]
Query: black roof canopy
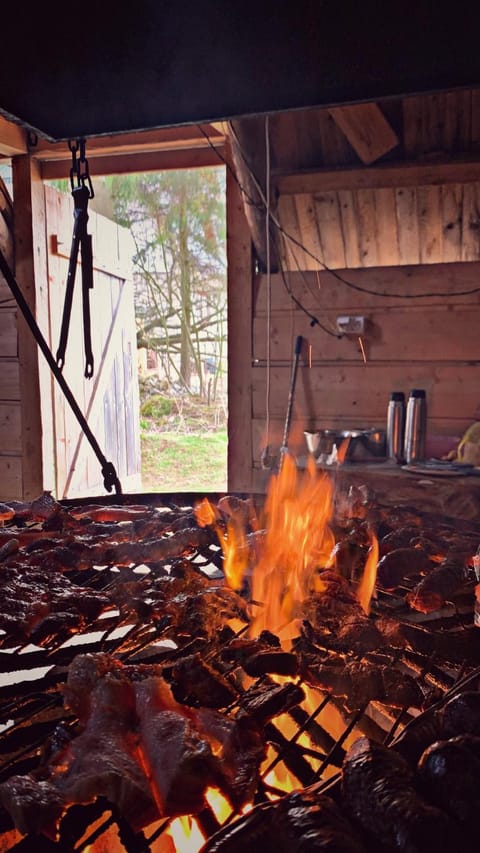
[68,71]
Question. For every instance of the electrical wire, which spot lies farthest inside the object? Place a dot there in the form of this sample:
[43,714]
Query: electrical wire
[266,461]
[299,244]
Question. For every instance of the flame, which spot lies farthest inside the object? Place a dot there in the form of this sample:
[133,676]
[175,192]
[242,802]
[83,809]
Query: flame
[232,540]
[205,513]
[219,804]
[297,542]
[343,450]
[186,835]
[366,586]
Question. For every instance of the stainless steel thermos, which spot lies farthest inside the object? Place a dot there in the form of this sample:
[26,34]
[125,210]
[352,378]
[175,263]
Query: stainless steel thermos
[415,426]
[396,426]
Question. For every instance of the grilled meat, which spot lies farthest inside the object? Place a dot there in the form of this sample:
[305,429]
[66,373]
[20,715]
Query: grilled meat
[437,587]
[420,732]
[33,603]
[379,792]
[102,761]
[461,715]
[360,682]
[450,774]
[301,821]
[34,805]
[457,646]
[353,634]
[399,538]
[265,700]
[239,748]
[178,762]
[400,563]
[260,656]
[138,747]
[195,682]
[205,613]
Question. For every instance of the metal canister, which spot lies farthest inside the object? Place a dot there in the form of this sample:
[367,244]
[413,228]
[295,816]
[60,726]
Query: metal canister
[396,426]
[415,426]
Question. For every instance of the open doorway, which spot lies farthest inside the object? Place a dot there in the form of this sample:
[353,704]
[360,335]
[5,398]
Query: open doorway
[177,220]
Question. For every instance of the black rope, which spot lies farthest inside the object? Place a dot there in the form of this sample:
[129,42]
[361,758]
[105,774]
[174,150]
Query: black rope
[110,477]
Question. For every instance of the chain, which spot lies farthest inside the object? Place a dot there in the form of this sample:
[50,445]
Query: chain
[79,172]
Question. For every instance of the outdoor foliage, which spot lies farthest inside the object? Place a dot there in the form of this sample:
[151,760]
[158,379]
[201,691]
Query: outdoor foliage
[177,220]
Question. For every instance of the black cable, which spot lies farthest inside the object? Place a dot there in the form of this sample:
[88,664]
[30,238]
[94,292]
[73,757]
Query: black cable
[358,287]
[109,474]
[368,290]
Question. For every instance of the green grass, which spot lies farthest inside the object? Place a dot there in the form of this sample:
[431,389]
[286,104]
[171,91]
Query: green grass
[176,462]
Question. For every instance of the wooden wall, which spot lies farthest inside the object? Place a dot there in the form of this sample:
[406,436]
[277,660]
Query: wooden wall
[10,411]
[41,445]
[110,399]
[377,226]
[431,343]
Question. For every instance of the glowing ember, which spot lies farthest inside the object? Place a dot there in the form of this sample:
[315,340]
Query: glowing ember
[219,804]
[186,835]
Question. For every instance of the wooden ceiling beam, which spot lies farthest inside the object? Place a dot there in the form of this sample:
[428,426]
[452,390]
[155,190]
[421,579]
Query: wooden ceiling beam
[190,136]
[367,130]
[13,139]
[143,161]
[409,174]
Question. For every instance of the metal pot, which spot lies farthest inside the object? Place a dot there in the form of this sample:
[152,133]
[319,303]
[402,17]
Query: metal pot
[370,443]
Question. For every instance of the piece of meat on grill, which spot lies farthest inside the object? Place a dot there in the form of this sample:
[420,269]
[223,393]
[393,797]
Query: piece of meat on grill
[401,563]
[437,587]
[461,714]
[260,656]
[195,682]
[354,633]
[103,760]
[177,760]
[34,805]
[265,699]
[34,605]
[84,672]
[449,771]
[239,748]
[300,821]
[379,792]
[206,612]
[360,682]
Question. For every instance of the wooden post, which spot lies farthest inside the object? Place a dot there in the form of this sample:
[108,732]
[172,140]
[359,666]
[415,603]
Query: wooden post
[240,276]
[31,274]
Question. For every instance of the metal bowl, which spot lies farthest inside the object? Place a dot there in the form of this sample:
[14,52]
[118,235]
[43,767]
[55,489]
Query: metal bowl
[321,441]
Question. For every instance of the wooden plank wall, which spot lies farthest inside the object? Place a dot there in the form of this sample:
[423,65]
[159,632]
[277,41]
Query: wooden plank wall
[381,226]
[431,343]
[110,400]
[10,412]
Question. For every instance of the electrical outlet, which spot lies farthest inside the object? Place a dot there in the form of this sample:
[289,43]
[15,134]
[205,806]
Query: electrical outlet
[351,325]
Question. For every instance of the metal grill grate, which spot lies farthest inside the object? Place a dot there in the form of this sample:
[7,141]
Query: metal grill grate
[311,748]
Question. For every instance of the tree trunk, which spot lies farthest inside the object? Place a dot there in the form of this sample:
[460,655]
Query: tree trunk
[185,295]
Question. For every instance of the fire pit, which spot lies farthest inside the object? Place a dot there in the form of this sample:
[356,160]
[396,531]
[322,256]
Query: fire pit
[263,694]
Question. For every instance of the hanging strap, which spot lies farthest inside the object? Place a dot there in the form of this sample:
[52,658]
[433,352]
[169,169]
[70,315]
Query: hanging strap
[82,191]
[110,477]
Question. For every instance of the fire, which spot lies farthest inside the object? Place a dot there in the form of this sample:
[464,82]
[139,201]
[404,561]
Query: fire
[186,834]
[297,541]
[232,539]
[366,587]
